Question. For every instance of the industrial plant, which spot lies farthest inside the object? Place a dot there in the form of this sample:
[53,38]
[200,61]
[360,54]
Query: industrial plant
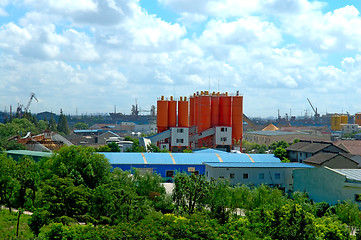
[205,121]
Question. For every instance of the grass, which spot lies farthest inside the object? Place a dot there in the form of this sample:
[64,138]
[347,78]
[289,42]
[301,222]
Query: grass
[8,226]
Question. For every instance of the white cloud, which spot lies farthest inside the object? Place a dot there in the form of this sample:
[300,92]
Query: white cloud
[93,54]
[335,31]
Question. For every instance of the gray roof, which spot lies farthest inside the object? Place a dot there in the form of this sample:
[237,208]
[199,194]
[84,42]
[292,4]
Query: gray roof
[296,146]
[320,158]
[58,137]
[351,174]
[273,133]
[257,165]
[309,147]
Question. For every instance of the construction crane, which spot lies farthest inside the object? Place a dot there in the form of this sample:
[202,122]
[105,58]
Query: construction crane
[29,102]
[317,115]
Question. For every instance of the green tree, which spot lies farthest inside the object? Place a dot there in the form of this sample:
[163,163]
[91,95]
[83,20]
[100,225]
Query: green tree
[114,147]
[281,153]
[190,191]
[63,123]
[82,164]
[52,124]
[220,199]
[8,181]
[43,125]
[281,144]
[81,126]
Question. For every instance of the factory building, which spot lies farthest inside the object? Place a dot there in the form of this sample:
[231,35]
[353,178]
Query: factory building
[206,120]
[167,164]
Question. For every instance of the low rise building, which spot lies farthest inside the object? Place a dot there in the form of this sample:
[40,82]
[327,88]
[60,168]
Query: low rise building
[272,174]
[328,185]
[302,150]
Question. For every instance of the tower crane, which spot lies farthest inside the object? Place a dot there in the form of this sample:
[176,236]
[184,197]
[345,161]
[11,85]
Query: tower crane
[317,115]
[29,102]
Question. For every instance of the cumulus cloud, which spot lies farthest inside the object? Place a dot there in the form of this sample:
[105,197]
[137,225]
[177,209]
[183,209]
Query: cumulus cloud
[274,51]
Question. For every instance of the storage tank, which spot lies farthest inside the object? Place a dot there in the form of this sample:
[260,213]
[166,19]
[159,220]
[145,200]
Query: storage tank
[196,109]
[344,119]
[172,113]
[204,117]
[336,122]
[225,110]
[183,113]
[237,118]
[162,115]
[214,110]
[358,118]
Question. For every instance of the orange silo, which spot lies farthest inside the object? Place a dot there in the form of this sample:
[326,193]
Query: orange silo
[215,110]
[172,113]
[183,113]
[196,110]
[237,118]
[204,110]
[191,111]
[162,115]
[225,110]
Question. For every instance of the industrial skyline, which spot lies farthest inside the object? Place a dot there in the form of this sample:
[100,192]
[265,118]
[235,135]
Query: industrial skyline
[89,56]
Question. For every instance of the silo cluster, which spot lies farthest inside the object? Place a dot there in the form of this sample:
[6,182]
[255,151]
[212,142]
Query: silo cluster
[202,112]
[167,113]
[337,120]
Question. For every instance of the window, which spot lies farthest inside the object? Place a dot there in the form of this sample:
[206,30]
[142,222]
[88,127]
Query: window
[358,197]
[169,173]
[206,173]
[179,130]
[261,176]
[245,175]
[277,175]
[223,129]
[231,175]
[223,139]
[179,140]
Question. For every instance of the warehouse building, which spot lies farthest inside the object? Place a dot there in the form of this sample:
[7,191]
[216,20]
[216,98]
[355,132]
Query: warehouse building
[324,184]
[167,164]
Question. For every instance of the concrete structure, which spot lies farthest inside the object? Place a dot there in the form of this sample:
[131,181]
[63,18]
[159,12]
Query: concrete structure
[206,113]
[273,174]
[302,150]
[328,185]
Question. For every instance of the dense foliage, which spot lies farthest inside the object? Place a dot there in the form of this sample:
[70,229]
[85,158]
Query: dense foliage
[76,185]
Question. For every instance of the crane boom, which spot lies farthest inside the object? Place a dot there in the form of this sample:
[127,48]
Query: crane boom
[312,106]
[29,102]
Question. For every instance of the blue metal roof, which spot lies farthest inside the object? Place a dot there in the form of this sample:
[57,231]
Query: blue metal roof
[258,165]
[187,158]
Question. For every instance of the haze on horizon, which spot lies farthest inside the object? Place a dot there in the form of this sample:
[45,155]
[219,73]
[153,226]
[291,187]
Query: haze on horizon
[90,55]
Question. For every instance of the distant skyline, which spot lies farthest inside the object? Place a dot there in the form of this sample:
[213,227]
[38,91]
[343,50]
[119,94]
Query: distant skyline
[92,55]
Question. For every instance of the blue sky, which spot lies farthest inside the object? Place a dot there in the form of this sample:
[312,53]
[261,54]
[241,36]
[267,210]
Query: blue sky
[91,55]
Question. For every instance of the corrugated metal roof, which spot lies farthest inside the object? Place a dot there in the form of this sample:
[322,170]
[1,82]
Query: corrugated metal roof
[351,174]
[186,158]
[30,153]
[258,165]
